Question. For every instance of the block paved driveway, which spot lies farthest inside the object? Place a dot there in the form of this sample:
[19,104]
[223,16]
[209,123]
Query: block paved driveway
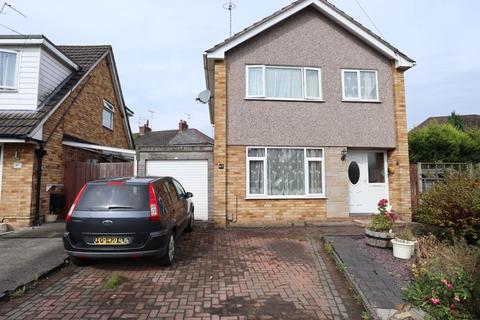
[219,274]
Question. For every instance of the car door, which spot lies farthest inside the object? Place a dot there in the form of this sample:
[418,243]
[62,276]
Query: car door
[183,199]
[178,207]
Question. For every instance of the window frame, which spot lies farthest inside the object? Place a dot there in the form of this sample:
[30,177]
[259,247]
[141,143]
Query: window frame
[304,81]
[17,64]
[359,89]
[109,107]
[385,169]
[2,152]
[307,160]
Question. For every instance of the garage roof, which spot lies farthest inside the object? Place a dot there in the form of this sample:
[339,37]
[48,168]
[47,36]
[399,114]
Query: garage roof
[174,138]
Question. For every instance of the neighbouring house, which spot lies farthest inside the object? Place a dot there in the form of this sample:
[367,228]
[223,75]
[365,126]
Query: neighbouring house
[57,104]
[185,154]
[470,121]
[310,125]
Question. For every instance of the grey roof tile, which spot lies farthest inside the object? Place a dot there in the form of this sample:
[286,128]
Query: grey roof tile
[20,123]
[173,138]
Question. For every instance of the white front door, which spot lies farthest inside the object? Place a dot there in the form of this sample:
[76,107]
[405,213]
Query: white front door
[367,179]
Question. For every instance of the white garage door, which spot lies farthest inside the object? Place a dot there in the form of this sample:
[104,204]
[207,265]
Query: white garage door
[192,174]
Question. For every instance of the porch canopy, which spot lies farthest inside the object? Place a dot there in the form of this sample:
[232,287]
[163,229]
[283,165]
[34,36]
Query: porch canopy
[106,150]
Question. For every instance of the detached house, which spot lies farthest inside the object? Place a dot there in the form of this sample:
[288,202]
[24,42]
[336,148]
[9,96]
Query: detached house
[57,104]
[310,122]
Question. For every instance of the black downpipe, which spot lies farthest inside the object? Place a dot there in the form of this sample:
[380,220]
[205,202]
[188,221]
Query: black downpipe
[40,152]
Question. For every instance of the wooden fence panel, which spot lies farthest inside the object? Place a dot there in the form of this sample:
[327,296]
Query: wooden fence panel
[414,186]
[76,174]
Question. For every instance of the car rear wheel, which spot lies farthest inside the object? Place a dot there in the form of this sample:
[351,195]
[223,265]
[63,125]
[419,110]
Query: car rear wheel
[79,262]
[169,255]
[190,223]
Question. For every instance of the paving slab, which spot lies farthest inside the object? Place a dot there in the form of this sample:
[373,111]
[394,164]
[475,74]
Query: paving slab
[28,254]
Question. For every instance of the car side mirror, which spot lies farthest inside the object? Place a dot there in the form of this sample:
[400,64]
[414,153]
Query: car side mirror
[188,195]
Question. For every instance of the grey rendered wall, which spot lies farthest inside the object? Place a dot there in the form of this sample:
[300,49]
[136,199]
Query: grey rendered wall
[179,153]
[309,39]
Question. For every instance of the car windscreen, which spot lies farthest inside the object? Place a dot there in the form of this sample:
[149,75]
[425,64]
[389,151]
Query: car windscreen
[113,196]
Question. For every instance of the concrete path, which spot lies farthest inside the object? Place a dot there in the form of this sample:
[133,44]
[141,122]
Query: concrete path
[370,277]
[28,254]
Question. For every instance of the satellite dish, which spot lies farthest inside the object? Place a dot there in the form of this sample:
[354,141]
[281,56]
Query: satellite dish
[204,96]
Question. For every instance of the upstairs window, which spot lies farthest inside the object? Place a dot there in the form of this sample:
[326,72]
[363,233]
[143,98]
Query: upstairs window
[283,83]
[108,112]
[8,69]
[360,85]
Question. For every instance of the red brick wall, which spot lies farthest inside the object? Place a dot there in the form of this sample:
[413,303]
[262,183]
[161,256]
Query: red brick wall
[80,115]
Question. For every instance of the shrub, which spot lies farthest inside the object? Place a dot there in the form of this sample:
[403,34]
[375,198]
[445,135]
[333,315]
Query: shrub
[446,279]
[453,205]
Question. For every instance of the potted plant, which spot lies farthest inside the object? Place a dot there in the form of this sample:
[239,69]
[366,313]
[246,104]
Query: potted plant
[404,244]
[52,217]
[379,232]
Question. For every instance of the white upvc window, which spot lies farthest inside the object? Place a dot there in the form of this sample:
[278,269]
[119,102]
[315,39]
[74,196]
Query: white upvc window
[283,83]
[108,112]
[360,85]
[284,173]
[8,69]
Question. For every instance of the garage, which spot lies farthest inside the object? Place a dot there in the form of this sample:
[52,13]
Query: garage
[192,174]
[185,154]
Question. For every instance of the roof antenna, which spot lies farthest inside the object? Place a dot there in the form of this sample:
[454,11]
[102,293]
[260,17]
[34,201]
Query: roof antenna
[229,6]
[151,115]
[5,4]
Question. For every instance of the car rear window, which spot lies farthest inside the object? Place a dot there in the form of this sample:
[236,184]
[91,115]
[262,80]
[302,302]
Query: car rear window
[122,197]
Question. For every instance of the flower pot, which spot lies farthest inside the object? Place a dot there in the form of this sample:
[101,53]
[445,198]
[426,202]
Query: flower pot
[403,249]
[50,218]
[379,239]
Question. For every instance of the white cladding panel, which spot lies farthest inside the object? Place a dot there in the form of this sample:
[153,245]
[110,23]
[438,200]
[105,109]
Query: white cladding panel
[52,73]
[192,174]
[24,97]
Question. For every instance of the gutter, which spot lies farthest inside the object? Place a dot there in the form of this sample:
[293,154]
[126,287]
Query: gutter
[40,152]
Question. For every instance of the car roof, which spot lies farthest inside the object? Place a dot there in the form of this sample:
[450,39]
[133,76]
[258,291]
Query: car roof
[132,180]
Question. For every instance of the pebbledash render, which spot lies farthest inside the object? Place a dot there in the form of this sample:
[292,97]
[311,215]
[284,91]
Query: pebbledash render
[309,113]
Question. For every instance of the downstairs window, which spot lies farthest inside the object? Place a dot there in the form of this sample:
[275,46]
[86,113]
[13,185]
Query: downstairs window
[285,172]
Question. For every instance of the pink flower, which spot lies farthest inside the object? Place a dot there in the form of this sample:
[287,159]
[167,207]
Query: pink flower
[446,283]
[435,300]
[453,307]
[382,203]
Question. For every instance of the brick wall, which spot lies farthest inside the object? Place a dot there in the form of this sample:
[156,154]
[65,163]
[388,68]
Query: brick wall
[80,115]
[16,192]
[220,146]
[398,161]
[265,212]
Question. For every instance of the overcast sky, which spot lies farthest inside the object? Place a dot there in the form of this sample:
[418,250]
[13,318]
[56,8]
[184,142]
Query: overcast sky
[158,47]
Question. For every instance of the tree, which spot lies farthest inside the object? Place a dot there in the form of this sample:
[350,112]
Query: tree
[456,121]
[444,143]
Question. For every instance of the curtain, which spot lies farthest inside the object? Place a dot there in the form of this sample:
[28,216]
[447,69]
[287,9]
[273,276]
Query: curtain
[256,177]
[315,177]
[7,69]
[312,79]
[255,81]
[286,172]
[107,118]
[351,84]
[283,83]
[368,85]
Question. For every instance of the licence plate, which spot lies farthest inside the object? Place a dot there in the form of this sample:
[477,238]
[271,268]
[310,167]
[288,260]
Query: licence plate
[113,241]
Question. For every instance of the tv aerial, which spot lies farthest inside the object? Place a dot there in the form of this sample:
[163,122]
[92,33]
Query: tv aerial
[229,6]
[204,96]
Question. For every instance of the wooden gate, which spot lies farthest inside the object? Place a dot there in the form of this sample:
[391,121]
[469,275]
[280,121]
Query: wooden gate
[76,174]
